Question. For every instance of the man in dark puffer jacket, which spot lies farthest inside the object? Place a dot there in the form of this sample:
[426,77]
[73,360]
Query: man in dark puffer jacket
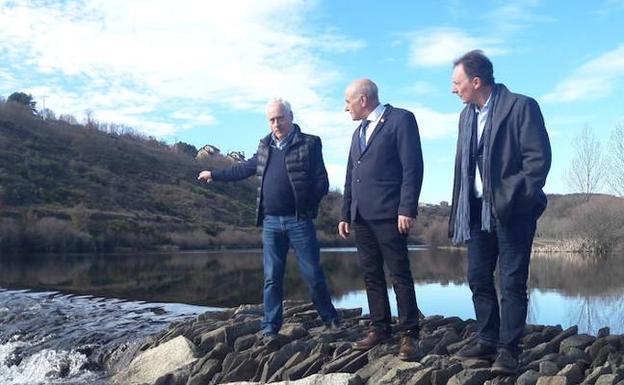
[292,180]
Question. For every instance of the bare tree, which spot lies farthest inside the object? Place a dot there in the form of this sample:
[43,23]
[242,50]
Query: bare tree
[586,172]
[616,160]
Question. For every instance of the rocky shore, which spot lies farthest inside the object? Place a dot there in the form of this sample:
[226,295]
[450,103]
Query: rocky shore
[224,347]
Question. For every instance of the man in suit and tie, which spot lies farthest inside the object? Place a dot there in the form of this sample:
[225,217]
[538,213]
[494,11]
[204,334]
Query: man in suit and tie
[383,182]
[503,158]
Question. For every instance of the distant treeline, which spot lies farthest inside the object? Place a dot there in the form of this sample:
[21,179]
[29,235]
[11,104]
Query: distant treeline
[70,187]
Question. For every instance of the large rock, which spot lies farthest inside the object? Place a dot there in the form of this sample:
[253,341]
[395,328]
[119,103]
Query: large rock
[572,372]
[529,377]
[317,379]
[157,362]
[471,377]
[401,373]
[552,380]
[579,341]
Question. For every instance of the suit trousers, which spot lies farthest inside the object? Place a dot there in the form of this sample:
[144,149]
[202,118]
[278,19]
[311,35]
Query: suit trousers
[508,245]
[379,241]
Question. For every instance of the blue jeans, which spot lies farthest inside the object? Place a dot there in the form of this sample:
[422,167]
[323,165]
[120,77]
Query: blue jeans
[278,233]
[509,245]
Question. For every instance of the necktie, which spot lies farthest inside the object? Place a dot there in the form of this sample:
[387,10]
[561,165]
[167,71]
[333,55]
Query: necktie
[363,127]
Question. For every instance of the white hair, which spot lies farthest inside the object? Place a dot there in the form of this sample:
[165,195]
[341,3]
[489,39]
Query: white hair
[282,102]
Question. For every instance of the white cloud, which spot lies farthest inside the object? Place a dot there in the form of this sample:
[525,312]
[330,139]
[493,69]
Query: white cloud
[594,80]
[235,54]
[513,16]
[438,47]
[433,124]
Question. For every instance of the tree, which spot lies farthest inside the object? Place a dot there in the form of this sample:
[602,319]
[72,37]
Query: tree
[587,169]
[23,99]
[616,160]
[47,114]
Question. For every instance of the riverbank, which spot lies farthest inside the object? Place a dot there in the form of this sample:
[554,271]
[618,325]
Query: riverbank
[223,347]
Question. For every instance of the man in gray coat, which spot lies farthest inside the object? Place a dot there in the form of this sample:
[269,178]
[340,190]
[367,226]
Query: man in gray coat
[503,158]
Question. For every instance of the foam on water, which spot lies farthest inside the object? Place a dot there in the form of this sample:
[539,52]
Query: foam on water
[54,338]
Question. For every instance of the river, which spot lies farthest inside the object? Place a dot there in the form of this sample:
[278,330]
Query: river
[61,314]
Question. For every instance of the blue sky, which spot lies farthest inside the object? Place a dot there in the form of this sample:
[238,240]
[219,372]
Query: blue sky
[202,72]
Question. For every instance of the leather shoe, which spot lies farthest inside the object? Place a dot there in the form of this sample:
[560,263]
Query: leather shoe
[477,351]
[506,363]
[373,338]
[407,349]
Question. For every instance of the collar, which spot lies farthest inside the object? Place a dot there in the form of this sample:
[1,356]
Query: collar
[375,115]
[486,106]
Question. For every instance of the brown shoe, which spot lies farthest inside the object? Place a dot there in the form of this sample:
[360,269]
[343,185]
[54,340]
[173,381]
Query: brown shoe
[407,349]
[373,337]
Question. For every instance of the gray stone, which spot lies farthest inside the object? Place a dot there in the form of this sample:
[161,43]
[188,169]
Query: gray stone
[400,373]
[244,342]
[430,360]
[203,373]
[579,341]
[595,374]
[441,376]
[317,379]
[449,337]
[548,368]
[297,371]
[341,348]
[219,352]
[422,377]
[345,314]
[158,361]
[552,380]
[538,352]
[292,361]
[573,373]
[210,339]
[298,309]
[528,378]
[379,366]
[475,364]
[243,371]
[603,355]
[501,380]
[349,363]
[455,347]
[179,377]
[471,377]
[572,330]
[603,332]
[608,379]
[280,357]
[293,331]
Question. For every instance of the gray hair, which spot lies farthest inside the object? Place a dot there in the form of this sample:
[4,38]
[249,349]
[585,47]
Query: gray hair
[282,102]
[369,89]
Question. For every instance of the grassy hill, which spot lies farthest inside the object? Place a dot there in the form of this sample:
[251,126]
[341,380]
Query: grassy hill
[69,187]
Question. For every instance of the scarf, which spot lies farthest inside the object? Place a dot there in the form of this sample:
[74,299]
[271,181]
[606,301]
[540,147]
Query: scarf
[461,229]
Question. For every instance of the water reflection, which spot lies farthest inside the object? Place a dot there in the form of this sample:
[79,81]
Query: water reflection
[564,290]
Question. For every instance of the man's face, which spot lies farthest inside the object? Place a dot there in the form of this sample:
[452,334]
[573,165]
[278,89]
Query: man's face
[280,120]
[354,104]
[462,85]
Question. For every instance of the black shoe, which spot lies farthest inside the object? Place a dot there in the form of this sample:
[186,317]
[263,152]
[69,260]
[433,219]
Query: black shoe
[269,340]
[506,363]
[334,326]
[477,351]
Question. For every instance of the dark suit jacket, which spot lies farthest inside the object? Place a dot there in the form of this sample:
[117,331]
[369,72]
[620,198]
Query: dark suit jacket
[519,157]
[385,180]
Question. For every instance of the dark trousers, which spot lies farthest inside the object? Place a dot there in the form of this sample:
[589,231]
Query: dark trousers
[509,245]
[377,242]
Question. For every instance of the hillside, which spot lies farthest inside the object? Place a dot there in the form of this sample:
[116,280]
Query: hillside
[69,187]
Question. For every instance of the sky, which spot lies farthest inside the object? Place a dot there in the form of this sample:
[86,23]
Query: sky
[202,72]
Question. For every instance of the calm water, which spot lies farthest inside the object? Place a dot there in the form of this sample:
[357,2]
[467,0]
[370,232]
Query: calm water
[59,312]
